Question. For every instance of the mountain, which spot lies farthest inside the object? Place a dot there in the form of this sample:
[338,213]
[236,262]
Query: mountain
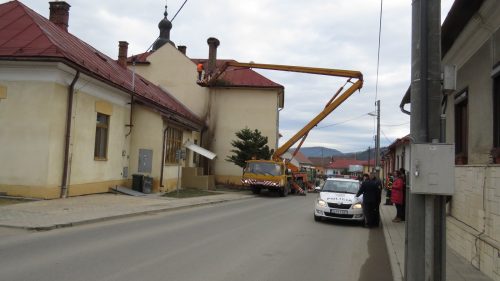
[320,152]
[329,152]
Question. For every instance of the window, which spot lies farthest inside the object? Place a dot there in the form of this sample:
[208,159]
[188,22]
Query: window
[173,143]
[496,111]
[461,128]
[101,137]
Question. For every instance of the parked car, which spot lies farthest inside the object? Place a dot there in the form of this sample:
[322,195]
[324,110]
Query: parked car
[337,200]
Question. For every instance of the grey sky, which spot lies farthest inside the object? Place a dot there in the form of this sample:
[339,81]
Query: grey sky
[340,34]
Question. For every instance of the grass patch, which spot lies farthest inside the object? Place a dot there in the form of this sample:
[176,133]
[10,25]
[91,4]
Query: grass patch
[190,192]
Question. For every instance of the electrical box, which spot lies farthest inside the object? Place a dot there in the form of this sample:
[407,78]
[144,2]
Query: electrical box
[449,78]
[432,168]
[145,161]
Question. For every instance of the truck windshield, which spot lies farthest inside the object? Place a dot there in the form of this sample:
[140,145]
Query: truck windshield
[263,168]
[340,186]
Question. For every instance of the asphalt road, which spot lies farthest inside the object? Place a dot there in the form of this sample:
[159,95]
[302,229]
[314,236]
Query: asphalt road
[264,238]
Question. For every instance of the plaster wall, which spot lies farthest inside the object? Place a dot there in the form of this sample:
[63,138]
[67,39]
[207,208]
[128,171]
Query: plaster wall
[177,74]
[236,109]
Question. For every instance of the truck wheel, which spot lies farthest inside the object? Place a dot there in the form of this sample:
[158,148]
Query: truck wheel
[255,190]
[284,191]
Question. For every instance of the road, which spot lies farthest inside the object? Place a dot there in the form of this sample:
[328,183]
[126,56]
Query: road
[263,238]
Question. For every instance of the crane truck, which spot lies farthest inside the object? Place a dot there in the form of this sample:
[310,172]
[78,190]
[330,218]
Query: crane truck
[280,173]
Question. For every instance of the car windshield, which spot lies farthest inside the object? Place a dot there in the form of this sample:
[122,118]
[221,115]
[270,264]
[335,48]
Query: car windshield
[263,168]
[341,186]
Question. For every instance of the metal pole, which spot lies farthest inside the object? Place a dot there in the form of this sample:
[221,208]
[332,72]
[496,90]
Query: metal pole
[369,159]
[425,241]
[377,141]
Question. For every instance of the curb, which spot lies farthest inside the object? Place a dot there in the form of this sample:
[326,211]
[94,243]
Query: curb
[121,216]
[397,274]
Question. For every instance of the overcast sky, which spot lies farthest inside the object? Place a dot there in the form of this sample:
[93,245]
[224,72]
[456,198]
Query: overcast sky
[341,34]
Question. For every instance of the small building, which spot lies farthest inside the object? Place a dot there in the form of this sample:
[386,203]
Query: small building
[74,121]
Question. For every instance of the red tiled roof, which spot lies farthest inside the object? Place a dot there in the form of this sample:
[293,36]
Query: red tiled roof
[26,35]
[239,76]
[232,77]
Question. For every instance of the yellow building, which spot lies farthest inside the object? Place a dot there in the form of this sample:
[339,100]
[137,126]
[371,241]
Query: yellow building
[240,98]
[74,121]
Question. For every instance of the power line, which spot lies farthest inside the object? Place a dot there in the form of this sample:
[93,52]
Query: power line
[395,125]
[182,6]
[388,140]
[378,50]
[345,121]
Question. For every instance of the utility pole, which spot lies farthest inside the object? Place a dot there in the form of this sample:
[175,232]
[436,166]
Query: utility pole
[425,247]
[369,148]
[377,141]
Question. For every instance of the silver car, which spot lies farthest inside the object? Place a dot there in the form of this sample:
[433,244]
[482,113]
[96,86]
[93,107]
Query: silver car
[337,200]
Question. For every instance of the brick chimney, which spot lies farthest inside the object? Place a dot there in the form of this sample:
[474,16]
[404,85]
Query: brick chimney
[59,14]
[213,43]
[122,53]
[182,49]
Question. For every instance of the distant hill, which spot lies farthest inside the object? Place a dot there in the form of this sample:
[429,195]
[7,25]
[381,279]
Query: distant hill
[320,152]
[329,152]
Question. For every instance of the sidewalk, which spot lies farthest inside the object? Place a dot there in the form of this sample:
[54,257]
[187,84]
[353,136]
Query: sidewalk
[56,213]
[457,268]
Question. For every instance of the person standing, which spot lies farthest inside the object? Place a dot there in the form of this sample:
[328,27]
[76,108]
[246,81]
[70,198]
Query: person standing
[397,196]
[371,197]
[388,187]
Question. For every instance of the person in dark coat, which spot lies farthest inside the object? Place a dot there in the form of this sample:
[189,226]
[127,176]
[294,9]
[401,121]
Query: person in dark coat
[371,198]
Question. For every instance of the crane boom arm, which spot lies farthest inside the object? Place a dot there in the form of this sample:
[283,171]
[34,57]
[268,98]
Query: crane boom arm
[331,105]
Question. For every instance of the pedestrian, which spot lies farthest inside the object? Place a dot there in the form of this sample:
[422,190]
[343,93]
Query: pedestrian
[388,188]
[397,196]
[403,176]
[379,199]
[370,193]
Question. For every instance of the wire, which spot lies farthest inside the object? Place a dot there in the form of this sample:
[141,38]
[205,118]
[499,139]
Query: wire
[378,51]
[394,125]
[182,6]
[386,137]
[345,121]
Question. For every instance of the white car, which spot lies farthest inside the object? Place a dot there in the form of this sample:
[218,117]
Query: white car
[337,200]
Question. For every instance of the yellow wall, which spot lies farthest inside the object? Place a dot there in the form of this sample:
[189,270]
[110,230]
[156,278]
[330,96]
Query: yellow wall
[177,74]
[233,110]
[32,119]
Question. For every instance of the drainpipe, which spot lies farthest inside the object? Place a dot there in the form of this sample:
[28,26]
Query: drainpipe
[163,156]
[69,113]
[130,125]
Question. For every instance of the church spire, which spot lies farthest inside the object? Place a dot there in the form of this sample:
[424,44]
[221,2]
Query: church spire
[165,26]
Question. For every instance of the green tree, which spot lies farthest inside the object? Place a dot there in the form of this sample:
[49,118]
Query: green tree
[249,144]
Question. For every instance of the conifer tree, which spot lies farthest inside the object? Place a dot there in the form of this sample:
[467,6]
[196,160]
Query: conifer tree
[250,144]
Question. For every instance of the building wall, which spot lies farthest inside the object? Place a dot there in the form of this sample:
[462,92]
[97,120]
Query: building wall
[32,132]
[473,225]
[176,74]
[236,109]
[473,222]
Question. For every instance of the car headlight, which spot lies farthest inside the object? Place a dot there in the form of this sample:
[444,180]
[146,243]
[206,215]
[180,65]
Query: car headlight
[321,203]
[357,206]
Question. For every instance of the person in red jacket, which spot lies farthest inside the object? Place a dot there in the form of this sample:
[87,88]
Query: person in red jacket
[397,195]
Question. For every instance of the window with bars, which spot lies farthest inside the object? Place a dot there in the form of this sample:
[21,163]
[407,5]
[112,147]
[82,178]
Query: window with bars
[101,137]
[461,127]
[173,142]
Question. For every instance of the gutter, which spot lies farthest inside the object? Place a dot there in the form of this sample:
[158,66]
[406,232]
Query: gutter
[69,113]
